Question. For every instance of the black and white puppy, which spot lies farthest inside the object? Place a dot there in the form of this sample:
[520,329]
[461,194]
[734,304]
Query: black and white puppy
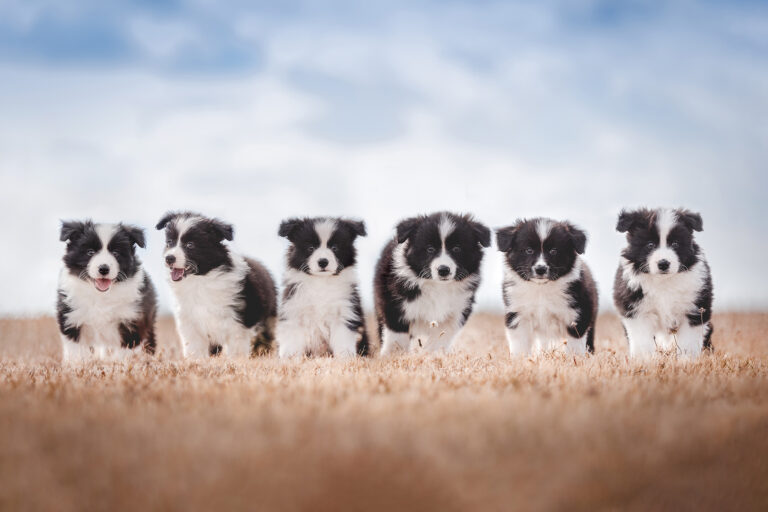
[550,297]
[426,279]
[224,301]
[106,302]
[320,311]
[663,287]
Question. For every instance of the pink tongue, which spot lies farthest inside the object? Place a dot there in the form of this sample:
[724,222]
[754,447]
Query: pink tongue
[177,274]
[103,284]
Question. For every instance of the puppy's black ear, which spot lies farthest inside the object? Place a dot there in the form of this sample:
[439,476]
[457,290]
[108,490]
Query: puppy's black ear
[505,238]
[136,234]
[71,230]
[627,219]
[691,220]
[168,217]
[579,238]
[224,229]
[406,228]
[483,233]
[288,227]
[356,226]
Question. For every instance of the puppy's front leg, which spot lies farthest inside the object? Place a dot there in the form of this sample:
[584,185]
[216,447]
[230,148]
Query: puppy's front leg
[343,340]
[292,339]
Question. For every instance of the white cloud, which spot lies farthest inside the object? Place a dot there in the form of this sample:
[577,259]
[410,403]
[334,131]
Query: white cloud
[554,125]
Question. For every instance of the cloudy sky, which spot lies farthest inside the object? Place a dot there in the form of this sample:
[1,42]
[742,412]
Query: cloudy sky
[380,110]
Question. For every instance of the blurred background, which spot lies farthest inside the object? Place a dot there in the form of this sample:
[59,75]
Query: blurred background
[256,111]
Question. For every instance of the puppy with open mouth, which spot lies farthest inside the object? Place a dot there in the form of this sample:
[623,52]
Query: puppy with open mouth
[106,304]
[224,302]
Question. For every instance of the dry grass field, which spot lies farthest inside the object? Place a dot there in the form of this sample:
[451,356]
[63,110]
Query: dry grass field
[468,431]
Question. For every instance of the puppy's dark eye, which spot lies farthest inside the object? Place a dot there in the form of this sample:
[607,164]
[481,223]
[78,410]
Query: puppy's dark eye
[189,245]
[674,245]
[335,248]
[115,254]
[650,245]
[168,243]
[90,252]
[553,252]
[310,249]
[529,250]
[456,249]
[430,249]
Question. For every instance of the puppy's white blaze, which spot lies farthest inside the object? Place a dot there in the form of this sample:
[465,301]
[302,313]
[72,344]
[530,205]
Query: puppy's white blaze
[543,227]
[183,224]
[446,227]
[539,261]
[105,232]
[665,221]
[324,230]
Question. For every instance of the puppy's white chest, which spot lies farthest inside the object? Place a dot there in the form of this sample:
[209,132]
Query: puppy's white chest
[437,302]
[542,307]
[319,302]
[667,299]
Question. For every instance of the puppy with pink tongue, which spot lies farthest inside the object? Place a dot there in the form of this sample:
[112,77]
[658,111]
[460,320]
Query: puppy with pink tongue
[106,302]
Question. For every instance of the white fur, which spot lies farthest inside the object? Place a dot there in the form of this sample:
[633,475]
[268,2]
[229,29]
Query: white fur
[205,311]
[543,312]
[660,319]
[665,221]
[445,228]
[105,233]
[435,315]
[98,315]
[313,320]
[324,230]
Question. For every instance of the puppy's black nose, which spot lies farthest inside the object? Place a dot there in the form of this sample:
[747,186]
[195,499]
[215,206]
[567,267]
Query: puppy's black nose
[663,265]
[322,262]
[103,269]
[170,259]
[540,270]
[443,271]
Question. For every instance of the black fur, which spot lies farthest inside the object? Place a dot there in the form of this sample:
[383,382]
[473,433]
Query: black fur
[304,240]
[522,247]
[643,237]
[202,243]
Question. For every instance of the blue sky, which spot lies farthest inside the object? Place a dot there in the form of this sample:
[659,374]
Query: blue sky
[258,111]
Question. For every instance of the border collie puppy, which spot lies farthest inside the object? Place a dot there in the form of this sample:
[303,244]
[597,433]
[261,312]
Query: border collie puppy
[320,311]
[550,297]
[663,287]
[426,280]
[224,301]
[106,304]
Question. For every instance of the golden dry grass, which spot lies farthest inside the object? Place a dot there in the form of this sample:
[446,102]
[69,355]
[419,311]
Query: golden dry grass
[469,431]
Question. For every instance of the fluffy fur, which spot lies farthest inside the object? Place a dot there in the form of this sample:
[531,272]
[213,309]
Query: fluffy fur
[224,301]
[663,287]
[106,304]
[550,297]
[320,310]
[426,279]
